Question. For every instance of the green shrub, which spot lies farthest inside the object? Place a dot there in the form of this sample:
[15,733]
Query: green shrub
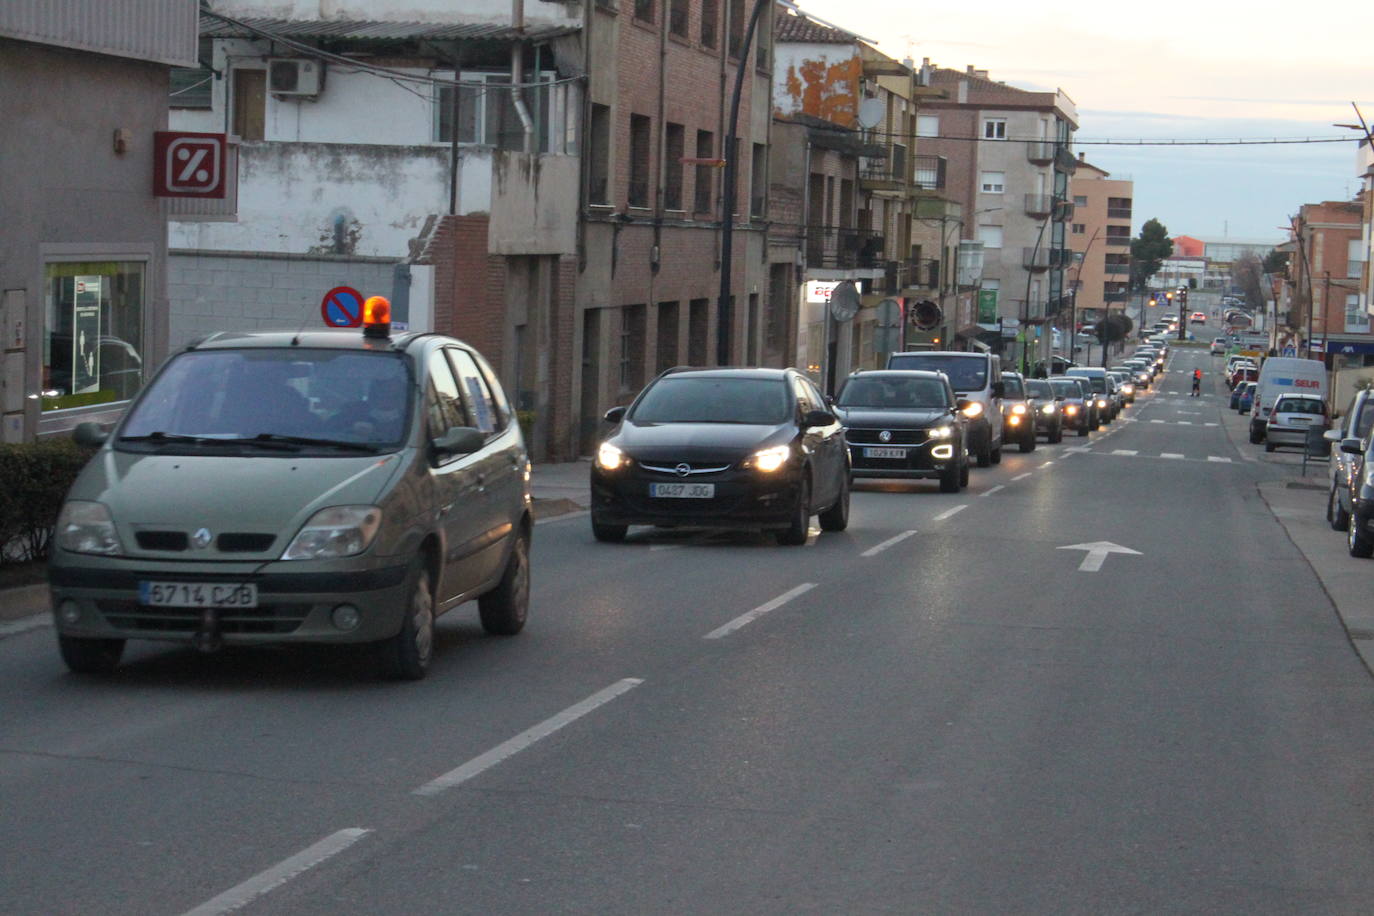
[34,479]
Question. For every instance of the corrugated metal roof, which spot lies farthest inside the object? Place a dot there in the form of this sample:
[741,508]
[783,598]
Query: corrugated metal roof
[370,30]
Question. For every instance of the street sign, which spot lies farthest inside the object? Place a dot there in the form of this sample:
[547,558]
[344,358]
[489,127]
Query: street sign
[342,307]
[188,164]
[844,301]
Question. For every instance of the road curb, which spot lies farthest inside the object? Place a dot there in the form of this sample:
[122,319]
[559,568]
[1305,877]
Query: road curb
[22,602]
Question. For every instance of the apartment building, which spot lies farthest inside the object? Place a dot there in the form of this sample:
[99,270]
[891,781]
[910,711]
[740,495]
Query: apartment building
[1100,238]
[1009,161]
[852,111]
[1320,308]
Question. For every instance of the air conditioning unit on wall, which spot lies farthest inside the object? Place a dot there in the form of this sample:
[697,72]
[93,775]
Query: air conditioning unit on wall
[295,76]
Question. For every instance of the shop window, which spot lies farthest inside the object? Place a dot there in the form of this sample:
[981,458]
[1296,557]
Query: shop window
[93,333]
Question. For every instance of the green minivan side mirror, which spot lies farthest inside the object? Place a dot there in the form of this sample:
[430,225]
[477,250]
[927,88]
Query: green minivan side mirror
[459,440]
[90,434]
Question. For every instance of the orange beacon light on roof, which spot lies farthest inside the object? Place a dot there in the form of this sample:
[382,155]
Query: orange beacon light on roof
[376,317]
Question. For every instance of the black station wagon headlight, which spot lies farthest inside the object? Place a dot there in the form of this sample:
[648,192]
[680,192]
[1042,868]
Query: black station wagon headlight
[608,457]
[769,459]
[86,527]
[339,531]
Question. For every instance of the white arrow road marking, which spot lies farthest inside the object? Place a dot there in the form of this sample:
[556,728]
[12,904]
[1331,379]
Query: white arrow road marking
[1097,553]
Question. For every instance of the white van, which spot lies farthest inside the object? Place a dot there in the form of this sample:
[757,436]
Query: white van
[975,377]
[1282,375]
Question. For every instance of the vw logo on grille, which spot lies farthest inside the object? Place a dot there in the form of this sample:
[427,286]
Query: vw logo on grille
[885,436]
[202,538]
[682,470]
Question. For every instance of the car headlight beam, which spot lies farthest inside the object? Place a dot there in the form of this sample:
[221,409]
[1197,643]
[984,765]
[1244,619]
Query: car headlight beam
[608,457]
[973,409]
[941,432]
[770,459]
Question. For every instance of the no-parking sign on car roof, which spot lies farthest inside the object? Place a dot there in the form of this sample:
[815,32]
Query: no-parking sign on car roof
[342,307]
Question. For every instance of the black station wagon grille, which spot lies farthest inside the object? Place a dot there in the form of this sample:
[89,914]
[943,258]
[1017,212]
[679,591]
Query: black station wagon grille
[237,542]
[162,540]
[898,436]
[267,618]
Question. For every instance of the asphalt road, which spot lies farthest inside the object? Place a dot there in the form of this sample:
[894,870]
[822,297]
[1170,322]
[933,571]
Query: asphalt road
[938,710]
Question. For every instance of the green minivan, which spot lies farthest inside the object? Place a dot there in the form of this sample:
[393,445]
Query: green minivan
[341,486]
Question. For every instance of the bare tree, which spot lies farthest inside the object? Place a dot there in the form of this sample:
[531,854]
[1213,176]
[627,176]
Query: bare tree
[1247,272]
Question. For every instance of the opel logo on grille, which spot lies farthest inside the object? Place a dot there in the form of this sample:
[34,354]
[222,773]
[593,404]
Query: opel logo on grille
[682,470]
[885,436]
[202,538]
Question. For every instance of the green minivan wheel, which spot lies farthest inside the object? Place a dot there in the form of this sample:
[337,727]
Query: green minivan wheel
[406,656]
[503,609]
[90,656]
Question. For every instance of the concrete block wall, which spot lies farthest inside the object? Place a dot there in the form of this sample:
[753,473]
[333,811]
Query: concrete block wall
[250,292]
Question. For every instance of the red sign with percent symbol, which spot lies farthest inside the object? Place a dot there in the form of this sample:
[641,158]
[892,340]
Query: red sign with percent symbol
[342,307]
[188,164]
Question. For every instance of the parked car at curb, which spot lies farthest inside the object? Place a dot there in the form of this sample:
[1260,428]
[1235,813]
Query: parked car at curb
[1292,416]
[904,423]
[1359,528]
[1355,423]
[316,487]
[725,447]
[1246,401]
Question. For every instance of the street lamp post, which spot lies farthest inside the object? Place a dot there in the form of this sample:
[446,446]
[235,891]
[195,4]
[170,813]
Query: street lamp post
[724,315]
[1025,306]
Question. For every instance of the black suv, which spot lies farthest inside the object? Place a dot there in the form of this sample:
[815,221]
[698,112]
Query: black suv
[735,448]
[905,423]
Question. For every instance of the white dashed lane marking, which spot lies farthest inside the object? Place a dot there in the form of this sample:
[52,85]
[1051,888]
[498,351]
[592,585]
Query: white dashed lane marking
[890,542]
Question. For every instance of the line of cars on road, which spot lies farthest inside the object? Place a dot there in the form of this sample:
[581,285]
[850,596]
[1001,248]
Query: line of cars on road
[764,449]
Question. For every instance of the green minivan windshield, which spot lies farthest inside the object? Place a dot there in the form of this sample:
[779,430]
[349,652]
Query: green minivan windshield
[275,397]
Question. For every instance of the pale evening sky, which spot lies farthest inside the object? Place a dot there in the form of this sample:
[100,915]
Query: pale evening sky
[1169,69]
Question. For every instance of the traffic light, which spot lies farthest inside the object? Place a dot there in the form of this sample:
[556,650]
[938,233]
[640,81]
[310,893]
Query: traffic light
[1153,301]
[1169,295]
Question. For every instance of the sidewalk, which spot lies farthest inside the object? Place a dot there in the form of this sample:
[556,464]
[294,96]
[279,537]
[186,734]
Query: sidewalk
[1299,505]
[558,489]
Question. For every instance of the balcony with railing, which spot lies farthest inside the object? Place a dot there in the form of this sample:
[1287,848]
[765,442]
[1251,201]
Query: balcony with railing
[1118,213]
[1040,152]
[844,248]
[929,173]
[1064,160]
[1117,268]
[1118,239]
[1036,259]
[1039,206]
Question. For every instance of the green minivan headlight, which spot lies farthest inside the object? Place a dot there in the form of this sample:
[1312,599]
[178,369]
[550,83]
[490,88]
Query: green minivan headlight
[339,531]
[86,527]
